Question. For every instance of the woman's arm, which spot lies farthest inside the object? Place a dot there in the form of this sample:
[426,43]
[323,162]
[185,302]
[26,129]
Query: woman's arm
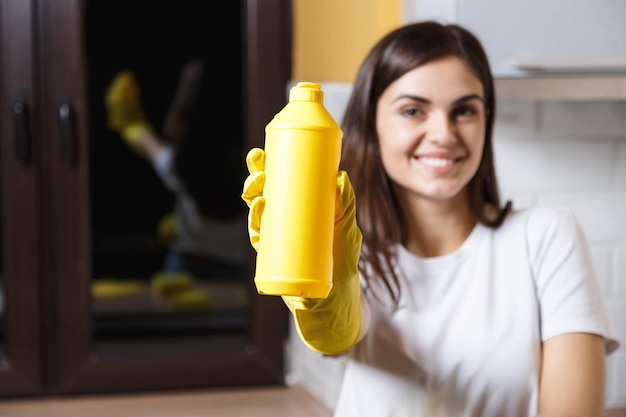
[572,380]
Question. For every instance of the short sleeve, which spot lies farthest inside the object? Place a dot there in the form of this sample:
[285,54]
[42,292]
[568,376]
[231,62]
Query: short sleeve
[569,294]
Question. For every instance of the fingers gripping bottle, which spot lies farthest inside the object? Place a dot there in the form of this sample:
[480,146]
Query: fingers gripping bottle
[302,147]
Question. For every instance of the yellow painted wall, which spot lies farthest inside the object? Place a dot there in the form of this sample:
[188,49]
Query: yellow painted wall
[332,37]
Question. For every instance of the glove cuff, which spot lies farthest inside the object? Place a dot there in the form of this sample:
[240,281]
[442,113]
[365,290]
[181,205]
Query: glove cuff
[332,325]
[133,132]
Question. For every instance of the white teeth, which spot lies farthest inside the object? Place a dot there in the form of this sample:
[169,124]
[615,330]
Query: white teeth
[436,162]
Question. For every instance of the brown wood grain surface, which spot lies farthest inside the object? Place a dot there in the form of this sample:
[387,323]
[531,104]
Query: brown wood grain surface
[248,402]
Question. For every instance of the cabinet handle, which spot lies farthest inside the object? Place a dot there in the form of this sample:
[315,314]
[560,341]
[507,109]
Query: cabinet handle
[66,129]
[21,127]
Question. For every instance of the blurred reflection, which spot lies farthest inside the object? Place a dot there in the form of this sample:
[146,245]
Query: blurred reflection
[169,230]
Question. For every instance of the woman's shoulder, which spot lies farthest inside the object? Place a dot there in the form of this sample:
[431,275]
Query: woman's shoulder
[539,223]
[542,215]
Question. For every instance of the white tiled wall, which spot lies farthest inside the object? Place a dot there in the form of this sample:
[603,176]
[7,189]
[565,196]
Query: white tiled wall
[571,154]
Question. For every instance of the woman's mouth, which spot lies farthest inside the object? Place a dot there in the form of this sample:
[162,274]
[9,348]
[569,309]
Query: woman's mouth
[436,162]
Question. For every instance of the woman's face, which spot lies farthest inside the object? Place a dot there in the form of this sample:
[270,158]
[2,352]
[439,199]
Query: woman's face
[431,129]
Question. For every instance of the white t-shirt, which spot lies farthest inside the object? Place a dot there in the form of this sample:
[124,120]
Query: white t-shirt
[466,338]
[223,239]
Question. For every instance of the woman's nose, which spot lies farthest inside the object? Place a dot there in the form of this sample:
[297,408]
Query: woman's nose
[441,130]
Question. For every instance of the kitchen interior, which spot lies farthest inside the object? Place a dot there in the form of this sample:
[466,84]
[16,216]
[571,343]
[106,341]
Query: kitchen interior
[84,331]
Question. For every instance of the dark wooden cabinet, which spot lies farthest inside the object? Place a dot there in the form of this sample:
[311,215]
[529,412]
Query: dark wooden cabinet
[69,189]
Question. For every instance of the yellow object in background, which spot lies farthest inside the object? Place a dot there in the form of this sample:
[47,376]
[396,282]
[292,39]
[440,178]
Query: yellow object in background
[175,289]
[166,230]
[124,109]
[302,151]
[190,300]
[110,288]
[164,284]
[179,292]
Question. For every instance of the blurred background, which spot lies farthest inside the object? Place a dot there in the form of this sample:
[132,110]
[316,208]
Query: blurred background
[80,208]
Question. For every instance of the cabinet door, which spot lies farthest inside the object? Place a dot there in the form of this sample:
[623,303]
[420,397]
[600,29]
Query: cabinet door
[560,36]
[20,341]
[109,324]
[535,37]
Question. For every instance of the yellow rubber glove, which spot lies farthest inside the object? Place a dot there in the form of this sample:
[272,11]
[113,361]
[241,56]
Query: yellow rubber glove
[331,325]
[124,109]
[166,284]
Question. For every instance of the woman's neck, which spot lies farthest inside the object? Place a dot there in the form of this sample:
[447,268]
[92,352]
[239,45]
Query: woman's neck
[436,228]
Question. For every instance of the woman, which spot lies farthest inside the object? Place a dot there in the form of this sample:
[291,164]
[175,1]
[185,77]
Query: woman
[466,307]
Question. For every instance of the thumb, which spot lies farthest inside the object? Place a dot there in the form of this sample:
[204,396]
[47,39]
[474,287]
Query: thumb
[255,160]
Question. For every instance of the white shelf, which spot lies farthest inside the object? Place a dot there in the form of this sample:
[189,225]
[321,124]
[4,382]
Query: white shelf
[554,88]
[547,66]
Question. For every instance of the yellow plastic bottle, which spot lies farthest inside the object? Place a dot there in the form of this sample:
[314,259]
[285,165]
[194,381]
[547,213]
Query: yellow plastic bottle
[303,147]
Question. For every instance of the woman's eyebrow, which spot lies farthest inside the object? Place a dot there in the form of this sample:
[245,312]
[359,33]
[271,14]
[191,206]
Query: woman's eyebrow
[413,98]
[468,97]
[456,102]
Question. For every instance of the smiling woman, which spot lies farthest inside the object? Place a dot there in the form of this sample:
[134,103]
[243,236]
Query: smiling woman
[453,282]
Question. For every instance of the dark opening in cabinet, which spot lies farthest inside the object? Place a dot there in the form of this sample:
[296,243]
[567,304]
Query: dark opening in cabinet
[97,295]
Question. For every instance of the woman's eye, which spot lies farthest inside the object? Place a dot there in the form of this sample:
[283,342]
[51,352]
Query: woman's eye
[412,112]
[464,111]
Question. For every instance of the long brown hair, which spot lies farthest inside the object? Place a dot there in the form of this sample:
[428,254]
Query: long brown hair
[378,213]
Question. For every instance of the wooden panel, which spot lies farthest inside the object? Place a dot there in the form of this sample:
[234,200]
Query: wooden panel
[74,365]
[258,402]
[20,365]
